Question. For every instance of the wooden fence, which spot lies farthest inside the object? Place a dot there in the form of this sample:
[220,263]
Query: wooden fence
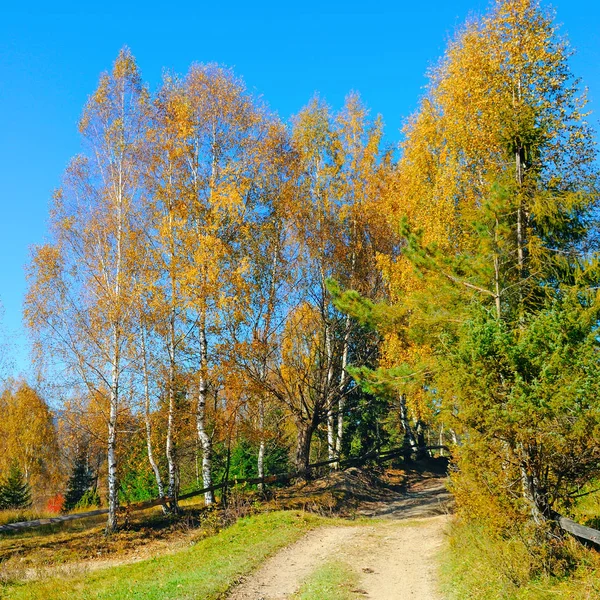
[270,479]
[586,534]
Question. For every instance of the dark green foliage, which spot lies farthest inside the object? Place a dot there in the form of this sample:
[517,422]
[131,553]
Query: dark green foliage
[534,389]
[137,484]
[91,499]
[14,490]
[243,460]
[80,482]
[136,479]
[365,425]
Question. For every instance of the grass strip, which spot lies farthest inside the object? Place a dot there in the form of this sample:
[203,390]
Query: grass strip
[204,571]
[334,580]
[478,566]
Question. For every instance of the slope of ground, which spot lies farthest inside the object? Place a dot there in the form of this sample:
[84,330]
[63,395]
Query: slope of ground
[179,561]
[392,557]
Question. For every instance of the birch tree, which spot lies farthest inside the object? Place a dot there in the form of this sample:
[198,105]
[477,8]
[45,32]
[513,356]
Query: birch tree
[340,165]
[79,305]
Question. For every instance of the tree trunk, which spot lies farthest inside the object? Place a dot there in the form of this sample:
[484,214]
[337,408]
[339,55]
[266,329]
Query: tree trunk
[303,441]
[113,488]
[410,443]
[328,388]
[170,444]
[532,491]
[203,436]
[153,465]
[342,391]
[422,451]
[455,438]
[260,462]
[331,435]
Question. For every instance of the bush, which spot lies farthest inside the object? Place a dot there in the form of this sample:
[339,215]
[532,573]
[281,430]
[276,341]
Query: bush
[91,499]
[55,504]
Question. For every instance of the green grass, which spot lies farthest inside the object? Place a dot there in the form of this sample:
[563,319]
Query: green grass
[332,581]
[203,571]
[477,566]
[587,509]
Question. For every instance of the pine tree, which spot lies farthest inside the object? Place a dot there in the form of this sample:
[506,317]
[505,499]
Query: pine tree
[80,482]
[498,188]
[514,310]
[14,490]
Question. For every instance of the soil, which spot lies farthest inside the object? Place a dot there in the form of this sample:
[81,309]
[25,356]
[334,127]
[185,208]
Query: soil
[394,554]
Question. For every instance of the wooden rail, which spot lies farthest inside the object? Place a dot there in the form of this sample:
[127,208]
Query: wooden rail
[579,531]
[279,478]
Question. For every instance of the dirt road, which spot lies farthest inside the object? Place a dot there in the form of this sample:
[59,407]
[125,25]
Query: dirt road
[394,555]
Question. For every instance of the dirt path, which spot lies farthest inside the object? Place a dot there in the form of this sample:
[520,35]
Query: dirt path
[394,556]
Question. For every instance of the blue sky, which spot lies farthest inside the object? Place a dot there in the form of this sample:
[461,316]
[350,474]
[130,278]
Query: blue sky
[50,61]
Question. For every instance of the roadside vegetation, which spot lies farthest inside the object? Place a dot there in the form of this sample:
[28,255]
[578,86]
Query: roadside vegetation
[206,568]
[481,565]
[505,562]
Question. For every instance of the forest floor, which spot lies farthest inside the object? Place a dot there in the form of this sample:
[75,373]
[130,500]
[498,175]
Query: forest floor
[392,556]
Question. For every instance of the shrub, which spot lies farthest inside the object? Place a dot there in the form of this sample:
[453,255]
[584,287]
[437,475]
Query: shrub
[55,504]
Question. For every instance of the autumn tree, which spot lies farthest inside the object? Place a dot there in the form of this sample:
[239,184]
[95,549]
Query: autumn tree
[501,157]
[213,149]
[81,284]
[271,250]
[339,234]
[28,438]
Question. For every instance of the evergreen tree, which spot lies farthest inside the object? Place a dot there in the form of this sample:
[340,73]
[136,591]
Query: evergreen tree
[510,305]
[80,482]
[505,303]
[14,490]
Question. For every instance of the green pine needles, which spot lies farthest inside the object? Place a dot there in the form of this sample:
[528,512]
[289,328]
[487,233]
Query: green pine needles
[14,489]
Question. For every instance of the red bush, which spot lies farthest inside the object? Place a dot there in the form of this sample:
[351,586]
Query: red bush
[55,504]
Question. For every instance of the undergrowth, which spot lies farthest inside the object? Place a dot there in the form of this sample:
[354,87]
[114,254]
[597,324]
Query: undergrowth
[481,565]
[23,514]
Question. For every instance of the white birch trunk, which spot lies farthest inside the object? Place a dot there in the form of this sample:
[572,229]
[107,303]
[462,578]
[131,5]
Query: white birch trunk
[113,489]
[170,446]
[409,435]
[441,440]
[260,462]
[203,436]
[329,399]
[151,460]
[342,390]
